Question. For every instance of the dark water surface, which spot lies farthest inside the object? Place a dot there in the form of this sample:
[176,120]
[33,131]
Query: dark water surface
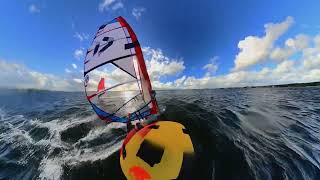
[265,133]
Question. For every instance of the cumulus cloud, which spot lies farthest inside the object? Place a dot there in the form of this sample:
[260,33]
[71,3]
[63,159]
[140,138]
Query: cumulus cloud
[107,4]
[78,53]
[254,50]
[286,70]
[104,4]
[242,78]
[19,76]
[284,67]
[311,55]
[292,46]
[34,9]
[81,36]
[159,65]
[296,61]
[212,67]
[137,12]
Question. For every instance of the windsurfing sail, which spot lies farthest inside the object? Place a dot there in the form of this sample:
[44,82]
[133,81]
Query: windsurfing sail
[116,80]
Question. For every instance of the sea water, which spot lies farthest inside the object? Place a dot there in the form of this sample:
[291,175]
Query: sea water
[240,133]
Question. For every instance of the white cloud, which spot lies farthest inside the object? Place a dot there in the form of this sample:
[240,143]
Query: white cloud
[77,80]
[34,9]
[74,66]
[159,65]
[292,46]
[106,4]
[81,36]
[285,71]
[304,67]
[67,70]
[234,79]
[254,50]
[78,53]
[137,12]
[300,42]
[212,67]
[118,5]
[281,54]
[283,67]
[19,76]
[311,55]
[296,60]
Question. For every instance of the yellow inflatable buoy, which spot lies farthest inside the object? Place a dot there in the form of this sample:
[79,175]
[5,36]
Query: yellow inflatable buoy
[156,151]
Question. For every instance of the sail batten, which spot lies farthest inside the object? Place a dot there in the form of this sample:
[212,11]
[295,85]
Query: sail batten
[116,80]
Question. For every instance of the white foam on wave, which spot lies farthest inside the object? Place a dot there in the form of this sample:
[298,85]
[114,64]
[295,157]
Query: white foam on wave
[98,131]
[52,168]
[56,126]
[15,133]
[17,137]
[88,154]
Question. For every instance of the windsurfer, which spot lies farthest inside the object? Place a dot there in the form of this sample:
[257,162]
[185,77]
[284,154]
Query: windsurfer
[129,124]
[137,126]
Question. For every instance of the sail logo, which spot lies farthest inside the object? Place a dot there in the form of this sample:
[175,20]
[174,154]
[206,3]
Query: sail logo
[107,42]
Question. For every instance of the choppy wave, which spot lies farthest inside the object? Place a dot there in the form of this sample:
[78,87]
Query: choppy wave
[265,133]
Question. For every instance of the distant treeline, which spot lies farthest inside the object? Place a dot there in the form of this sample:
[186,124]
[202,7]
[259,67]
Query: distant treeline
[288,85]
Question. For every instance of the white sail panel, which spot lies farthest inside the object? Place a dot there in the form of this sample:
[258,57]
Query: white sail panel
[126,64]
[114,34]
[115,51]
[108,27]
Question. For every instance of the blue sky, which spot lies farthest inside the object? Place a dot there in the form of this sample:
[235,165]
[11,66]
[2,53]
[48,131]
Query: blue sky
[199,41]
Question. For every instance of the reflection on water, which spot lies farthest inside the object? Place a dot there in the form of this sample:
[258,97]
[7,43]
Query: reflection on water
[120,102]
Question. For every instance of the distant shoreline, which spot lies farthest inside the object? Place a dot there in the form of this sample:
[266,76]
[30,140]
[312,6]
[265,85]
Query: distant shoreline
[309,84]
[287,85]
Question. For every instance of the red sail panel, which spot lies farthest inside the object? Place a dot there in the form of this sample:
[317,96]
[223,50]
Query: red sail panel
[101,85]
